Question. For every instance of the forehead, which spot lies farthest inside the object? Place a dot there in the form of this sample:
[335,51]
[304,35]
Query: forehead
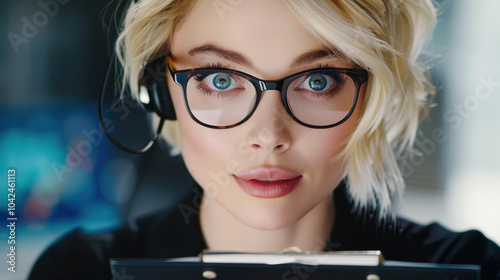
[265,31]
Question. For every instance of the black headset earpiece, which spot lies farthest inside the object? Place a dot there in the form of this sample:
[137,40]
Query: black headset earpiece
[154,78]
[129,121]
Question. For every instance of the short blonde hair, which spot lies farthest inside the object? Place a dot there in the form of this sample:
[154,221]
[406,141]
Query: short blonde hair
[385,37]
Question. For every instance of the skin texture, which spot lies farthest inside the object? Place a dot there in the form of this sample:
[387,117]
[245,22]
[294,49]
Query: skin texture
[270,38]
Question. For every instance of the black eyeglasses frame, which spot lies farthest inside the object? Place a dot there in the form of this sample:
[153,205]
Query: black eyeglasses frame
[181,77]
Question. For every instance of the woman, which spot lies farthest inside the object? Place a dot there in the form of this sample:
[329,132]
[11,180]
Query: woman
[290,116]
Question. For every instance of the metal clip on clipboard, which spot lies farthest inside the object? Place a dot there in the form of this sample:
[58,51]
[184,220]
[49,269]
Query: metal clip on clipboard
[295,255]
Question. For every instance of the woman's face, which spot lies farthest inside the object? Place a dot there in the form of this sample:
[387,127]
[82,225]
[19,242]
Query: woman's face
[264,39]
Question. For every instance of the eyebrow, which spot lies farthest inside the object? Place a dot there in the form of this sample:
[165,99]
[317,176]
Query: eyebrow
[312,56]
[221,52]
[239,58]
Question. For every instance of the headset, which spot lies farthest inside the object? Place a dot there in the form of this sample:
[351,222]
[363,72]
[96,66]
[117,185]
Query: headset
[127,120]
[154,78]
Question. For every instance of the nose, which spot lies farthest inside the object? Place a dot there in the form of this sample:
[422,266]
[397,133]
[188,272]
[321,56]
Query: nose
[269,130]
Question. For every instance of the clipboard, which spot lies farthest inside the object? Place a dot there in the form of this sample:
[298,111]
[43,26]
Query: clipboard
[197,269]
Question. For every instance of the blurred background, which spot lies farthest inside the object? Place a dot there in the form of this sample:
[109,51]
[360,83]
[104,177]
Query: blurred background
[53,58]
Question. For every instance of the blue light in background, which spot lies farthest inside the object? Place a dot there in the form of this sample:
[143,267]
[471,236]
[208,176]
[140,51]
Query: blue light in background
[58,164]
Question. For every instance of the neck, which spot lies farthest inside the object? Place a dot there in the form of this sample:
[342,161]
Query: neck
[224,232]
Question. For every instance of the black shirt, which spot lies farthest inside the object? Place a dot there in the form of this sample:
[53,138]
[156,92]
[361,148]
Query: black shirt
[176,233]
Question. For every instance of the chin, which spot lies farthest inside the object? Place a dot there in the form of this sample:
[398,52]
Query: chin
[268,224]
[270,219]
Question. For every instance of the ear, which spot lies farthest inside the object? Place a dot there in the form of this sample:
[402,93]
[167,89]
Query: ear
[154,78]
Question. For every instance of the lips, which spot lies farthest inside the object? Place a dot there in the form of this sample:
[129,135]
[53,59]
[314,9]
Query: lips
[268,182]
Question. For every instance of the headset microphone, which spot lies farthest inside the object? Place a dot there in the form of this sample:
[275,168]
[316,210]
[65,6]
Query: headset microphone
[134,123]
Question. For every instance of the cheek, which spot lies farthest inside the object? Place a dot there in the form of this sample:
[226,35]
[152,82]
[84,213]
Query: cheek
[338,137]
[320,148]
[204,150]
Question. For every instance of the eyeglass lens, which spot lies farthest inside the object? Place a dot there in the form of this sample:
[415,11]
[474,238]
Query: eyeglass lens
[223,98]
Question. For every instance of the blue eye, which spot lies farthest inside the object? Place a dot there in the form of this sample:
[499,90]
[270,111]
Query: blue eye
[318,82]
[221,81]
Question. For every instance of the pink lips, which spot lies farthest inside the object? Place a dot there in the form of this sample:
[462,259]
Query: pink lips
[268,182]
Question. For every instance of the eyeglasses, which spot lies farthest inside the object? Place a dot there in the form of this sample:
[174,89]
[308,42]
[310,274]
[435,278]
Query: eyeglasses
[222,98]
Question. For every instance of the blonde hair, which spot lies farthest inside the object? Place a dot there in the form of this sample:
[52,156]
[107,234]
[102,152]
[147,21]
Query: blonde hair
[385,37]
